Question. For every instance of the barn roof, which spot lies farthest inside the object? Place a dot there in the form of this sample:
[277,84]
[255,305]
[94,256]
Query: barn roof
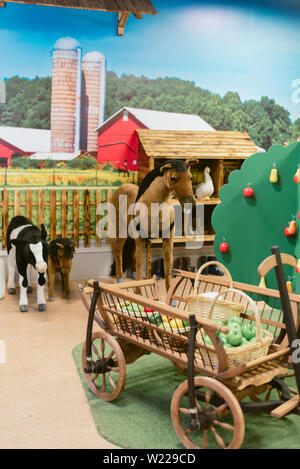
[201,144]
[160,120]
[54,156]
[27,140]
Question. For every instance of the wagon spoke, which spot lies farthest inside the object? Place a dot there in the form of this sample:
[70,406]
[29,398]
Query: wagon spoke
[114,368]
[224,425]
[110,355]
[207,398]
[198,405]
[93,378]
[204,441]
[95,350]
[268,394]
[103,382]
[102,347]
[111,381]
[219,409]
[218,438]
[184,411]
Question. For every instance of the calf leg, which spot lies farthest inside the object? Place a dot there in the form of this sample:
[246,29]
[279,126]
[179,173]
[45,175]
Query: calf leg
[11,284]
[66,278]
[23,300]
[29,274]
[40,293]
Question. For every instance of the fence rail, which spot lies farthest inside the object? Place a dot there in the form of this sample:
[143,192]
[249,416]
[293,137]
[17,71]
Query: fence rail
[65,212]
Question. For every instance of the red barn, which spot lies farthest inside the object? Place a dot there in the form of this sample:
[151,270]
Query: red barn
[118,139]
[18,141]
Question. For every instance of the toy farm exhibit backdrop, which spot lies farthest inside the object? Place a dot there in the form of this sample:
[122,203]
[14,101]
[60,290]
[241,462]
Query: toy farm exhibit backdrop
[74,96]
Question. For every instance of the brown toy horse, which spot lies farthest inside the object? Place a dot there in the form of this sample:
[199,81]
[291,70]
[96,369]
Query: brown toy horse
[61,252]
[158,186]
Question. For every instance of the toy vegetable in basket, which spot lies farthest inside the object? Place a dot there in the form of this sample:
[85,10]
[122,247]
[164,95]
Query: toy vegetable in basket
[244,342]
[200,304]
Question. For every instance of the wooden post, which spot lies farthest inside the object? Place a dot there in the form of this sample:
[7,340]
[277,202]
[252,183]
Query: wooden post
[4,216]
[29,204]
[76,217]
[87,225]
[40,207]
[98,217]
[64,213]
[17,206]
[52,214]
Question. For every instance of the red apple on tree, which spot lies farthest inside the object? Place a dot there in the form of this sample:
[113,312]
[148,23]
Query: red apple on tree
[224,247]
[248,191]
[287,232]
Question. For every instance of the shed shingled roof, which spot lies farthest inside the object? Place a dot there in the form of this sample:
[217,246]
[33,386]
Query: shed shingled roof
[199,144]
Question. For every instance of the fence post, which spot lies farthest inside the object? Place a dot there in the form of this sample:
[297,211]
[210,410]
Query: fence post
[64,213]
[29,204]
[40,207]
[17,203]
[76,217]
[87,226]
[53,214]
[98,217]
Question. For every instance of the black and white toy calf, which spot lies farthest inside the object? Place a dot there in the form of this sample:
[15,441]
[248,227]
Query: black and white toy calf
[26,247]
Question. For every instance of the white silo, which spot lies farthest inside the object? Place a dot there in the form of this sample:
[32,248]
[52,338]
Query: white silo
[66,96]
[93,98]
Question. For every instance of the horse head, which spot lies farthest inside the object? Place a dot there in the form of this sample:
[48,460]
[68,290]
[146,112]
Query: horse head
[178,178]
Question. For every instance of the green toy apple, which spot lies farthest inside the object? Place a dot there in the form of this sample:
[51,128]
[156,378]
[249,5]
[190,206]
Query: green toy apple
[248,331]
[223,337]
[244,341]
[227,345]
[234,319]
[234,336]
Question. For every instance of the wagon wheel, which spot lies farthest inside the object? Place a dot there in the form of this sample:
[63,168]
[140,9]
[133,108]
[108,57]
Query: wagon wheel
[108,378]
[220,418]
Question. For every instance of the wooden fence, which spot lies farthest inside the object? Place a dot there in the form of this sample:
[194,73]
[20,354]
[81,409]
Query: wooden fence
[77,219]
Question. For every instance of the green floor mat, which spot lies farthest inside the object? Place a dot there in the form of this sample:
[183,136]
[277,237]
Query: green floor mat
[140,417]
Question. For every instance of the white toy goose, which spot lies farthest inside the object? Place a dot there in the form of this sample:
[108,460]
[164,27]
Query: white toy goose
[206,189]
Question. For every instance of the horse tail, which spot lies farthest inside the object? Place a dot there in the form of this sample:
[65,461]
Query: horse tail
[128,248]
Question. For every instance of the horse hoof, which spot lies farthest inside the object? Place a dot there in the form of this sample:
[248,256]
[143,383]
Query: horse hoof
[12,291]
[51,298]
[23,308]
[29,289]
[42,307]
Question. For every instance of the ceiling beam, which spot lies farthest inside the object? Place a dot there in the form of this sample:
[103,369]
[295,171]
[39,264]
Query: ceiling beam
[122,18]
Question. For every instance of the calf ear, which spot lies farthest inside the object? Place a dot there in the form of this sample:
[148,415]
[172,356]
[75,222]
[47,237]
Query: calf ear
[16,242]
[44,232]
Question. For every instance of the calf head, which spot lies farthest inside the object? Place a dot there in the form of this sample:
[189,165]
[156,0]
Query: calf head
[33,248]
[64,254]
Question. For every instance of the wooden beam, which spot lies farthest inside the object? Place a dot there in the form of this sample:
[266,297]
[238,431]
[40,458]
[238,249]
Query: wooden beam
[122,18]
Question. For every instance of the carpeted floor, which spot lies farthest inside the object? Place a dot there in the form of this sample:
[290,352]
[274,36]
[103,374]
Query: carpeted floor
[140,417]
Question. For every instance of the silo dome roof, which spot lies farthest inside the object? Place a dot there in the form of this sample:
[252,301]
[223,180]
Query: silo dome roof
[66,43]
[94,56]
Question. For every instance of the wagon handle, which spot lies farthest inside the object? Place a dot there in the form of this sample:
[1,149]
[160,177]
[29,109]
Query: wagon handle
[196,286]
[251,302]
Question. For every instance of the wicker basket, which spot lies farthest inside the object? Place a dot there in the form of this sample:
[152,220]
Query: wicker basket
[199,304]
[171,342]
[241,354]
[128,325]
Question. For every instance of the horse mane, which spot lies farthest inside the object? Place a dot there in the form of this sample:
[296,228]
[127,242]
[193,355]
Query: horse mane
[179,165]
[66,242]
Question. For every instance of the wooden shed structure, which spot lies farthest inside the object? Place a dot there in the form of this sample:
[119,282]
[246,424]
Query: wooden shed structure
[123,7]
[222,151]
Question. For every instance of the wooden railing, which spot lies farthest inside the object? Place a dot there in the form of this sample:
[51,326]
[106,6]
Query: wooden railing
[76,219]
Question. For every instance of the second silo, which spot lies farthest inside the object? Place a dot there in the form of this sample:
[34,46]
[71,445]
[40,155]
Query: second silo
[66,95]
[93,99]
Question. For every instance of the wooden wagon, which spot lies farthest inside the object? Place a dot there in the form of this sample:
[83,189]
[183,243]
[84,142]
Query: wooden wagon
[207,408]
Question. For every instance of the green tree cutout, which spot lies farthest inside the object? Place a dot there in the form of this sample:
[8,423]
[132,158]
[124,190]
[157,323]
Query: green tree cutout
[252,225]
